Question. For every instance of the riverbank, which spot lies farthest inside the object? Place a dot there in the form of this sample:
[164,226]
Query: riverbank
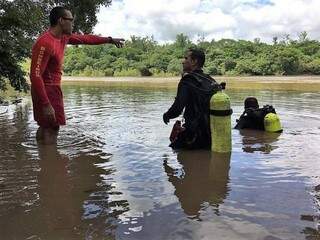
[297,83]
[10,96]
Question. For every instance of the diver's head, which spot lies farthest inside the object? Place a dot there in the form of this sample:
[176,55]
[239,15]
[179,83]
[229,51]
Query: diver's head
[194,59]
[251,102]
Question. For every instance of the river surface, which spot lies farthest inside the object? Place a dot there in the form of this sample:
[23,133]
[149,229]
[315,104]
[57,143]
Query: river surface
[113,176]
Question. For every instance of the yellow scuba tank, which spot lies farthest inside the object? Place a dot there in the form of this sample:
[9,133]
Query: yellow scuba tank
[272,123]
[220,122]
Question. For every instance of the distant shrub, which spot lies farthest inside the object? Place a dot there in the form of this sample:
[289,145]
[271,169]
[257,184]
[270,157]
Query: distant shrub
[108,72]
[145,72]
[127,73]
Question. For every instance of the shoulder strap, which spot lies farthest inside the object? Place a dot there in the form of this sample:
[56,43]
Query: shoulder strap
[200,78]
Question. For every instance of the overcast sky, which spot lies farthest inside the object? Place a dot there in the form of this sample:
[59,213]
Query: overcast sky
[213,19]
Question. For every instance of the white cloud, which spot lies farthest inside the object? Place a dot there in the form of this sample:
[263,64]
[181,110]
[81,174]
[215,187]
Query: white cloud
[241,19]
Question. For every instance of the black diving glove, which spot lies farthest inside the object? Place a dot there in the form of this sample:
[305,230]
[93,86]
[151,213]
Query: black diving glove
[165,118]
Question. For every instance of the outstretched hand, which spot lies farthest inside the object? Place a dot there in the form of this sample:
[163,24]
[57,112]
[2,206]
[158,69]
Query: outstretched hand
[118,42]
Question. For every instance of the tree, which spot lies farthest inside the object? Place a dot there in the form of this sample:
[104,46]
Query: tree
[17,31]
[288,60]
[275,40]
[144,44]
[143,56]
[175,66]
[84,12]
[303,36]
[182,41]
[21,21]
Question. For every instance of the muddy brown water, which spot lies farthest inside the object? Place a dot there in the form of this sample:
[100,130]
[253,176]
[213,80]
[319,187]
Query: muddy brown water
[113,176]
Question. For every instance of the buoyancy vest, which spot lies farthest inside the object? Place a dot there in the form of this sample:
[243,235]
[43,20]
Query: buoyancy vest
[197,123]
[203,87]
[254,118]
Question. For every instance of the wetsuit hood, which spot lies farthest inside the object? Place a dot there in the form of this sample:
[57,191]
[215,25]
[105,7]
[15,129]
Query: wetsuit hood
[201,82]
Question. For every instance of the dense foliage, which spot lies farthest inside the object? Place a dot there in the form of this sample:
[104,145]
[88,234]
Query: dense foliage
[142,56]
[21,21]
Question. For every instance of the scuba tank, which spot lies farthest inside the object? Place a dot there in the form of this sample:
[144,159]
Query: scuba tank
[272,123]
[220,122]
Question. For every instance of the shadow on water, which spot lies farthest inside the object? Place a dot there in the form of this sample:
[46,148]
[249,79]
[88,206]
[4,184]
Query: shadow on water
[202,180]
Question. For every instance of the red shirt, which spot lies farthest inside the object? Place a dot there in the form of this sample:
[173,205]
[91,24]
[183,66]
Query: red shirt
[46,71]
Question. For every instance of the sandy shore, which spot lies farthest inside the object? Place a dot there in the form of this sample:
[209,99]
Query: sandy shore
[121,79]
[260,79]
[297,83]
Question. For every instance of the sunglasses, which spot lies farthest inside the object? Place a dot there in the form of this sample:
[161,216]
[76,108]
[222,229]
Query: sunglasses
[69,19]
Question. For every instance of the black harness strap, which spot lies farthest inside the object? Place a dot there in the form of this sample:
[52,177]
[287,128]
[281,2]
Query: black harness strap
[221,113]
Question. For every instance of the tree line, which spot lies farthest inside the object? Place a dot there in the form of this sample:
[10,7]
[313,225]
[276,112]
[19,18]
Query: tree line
[21,21]
[143,56]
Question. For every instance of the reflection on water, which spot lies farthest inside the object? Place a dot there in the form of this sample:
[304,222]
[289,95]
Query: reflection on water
[113,176]
[258,141]
[202,180]
[71,201]
[60,212]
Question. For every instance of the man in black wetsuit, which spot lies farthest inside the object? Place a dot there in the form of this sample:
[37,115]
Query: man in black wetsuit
[193,96]
[253,116]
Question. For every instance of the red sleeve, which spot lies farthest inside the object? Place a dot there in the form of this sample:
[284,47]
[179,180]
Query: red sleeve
[75,39]
[39,60]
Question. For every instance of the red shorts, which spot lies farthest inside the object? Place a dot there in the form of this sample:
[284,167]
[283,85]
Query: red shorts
[55,96]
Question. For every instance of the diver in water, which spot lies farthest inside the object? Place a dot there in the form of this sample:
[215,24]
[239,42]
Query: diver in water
[253,117]
[193,96]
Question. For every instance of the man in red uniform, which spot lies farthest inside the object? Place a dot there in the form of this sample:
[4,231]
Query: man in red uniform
[46,71]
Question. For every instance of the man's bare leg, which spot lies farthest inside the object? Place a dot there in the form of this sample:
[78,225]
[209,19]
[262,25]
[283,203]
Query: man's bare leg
[47,136]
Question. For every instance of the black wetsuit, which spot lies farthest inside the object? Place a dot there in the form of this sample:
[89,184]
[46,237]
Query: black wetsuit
[254,118]
[194,93]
